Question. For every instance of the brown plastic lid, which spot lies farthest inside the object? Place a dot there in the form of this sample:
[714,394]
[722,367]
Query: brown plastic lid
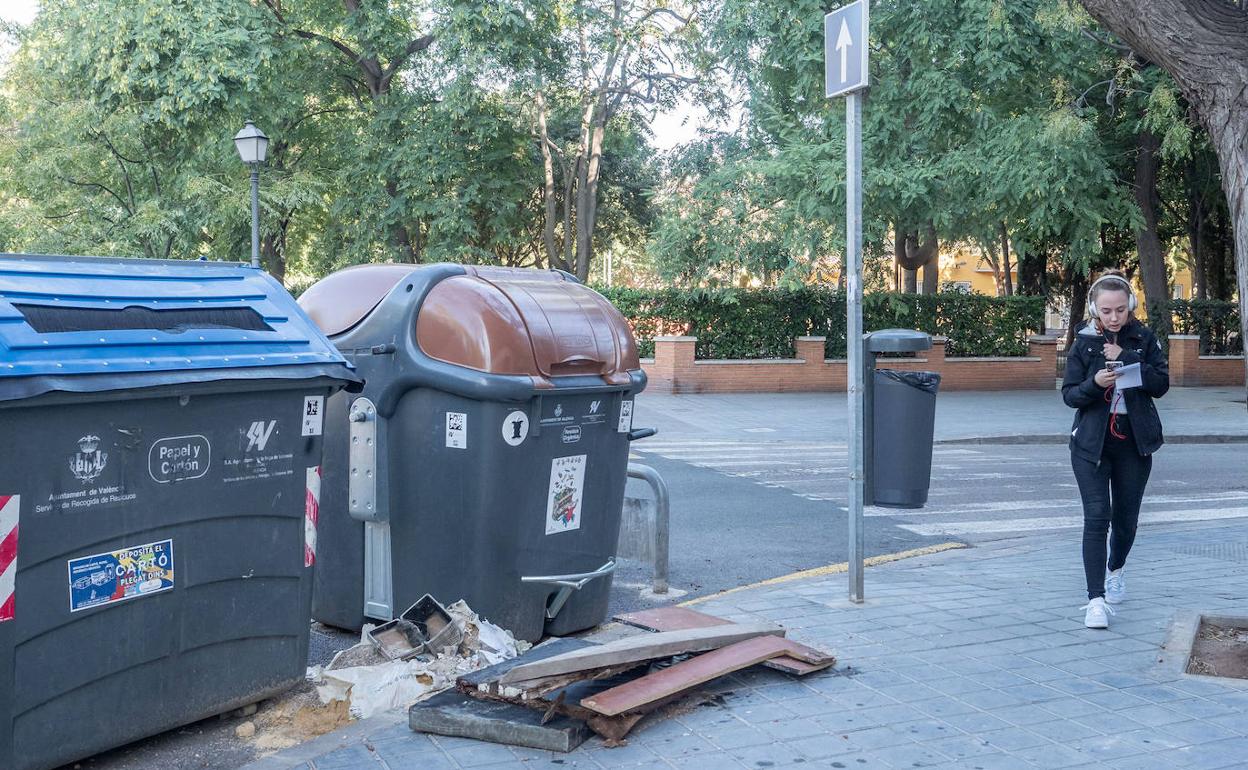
[525,322]
[341,300]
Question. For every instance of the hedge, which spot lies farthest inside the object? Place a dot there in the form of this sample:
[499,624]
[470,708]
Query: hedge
[761,323]
[1215,321]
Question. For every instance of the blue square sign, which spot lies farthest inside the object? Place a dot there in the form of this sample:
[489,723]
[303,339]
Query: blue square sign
[845,49]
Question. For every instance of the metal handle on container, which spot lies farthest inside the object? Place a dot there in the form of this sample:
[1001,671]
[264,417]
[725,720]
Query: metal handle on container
[363,502]
[640,433]
[569,583]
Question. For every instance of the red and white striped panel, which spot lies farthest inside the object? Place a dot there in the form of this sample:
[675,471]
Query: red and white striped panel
[9,507]
[311,510]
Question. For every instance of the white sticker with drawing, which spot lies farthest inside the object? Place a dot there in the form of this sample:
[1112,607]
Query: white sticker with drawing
[567,491]
[626,416]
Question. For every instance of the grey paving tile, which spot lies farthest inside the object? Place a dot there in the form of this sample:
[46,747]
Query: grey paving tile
[875,737]
[1199,732]
[1053,756]
[481,754]
[1013,738]
[962,747]
[786,730]
[976,722]
[1064,730]
[1027,714]
[823,746]
[348,758]
[909,755]
[770,755]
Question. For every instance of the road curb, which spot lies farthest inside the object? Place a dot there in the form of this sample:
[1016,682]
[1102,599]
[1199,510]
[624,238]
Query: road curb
[831,569]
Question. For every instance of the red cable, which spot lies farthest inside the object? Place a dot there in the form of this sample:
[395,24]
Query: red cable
[1113,416]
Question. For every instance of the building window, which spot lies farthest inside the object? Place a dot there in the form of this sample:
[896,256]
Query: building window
[1178,291]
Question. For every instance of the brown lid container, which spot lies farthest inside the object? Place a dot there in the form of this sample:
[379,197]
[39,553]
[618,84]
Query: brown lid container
[525,322]
[341,300]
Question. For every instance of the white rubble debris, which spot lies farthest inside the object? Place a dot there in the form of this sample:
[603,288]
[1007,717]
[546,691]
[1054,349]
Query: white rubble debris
[390,684]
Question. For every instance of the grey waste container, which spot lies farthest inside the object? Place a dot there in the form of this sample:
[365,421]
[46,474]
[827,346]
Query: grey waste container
[902,409]
[160,440]
[486,458]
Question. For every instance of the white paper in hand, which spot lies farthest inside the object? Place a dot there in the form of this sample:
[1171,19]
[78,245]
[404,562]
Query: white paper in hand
[1128,377]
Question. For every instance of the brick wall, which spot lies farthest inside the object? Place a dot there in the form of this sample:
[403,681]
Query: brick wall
[674,369]
[1188,368]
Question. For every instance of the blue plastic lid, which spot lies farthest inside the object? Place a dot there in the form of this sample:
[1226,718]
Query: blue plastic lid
[67,316]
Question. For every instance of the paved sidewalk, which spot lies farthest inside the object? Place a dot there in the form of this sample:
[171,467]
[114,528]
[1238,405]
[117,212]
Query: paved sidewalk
[1187,414]
[966,659]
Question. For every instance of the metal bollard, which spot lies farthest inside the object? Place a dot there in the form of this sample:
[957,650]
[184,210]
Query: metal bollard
[662,520]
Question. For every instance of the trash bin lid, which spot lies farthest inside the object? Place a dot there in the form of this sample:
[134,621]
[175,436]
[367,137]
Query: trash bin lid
[138,322]
[534,322]
[898,341]
[341,300]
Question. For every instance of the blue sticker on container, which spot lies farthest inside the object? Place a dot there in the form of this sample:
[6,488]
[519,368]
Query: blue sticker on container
[125,574]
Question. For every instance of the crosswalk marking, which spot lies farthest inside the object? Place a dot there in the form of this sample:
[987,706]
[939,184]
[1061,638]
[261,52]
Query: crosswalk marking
[998,526]
[817,471]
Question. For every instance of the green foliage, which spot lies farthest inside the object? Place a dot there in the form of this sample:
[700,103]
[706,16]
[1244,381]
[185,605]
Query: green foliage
[761,323]
[1215,321]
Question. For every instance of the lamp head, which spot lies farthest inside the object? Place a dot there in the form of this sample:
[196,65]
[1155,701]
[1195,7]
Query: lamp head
[252,144]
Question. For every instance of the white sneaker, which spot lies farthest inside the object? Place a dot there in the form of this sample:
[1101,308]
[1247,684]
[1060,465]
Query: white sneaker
[1115,587]
[1098,613]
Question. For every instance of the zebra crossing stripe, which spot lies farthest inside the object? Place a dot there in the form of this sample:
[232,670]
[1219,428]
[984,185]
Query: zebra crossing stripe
[1066,522]
[10,505]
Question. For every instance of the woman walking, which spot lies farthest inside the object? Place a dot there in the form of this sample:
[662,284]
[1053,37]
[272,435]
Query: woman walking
[1115,433]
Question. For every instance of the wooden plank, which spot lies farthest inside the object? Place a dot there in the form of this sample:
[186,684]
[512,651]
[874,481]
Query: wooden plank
[685,675]
[675,618]
[671,618]
[640,648]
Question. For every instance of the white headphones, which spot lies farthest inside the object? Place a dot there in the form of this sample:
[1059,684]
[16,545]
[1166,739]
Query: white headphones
[1092,294]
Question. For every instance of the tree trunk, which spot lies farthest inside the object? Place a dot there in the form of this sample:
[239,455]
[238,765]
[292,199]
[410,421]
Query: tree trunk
[1196,231]
[554,251]
[1147,241]
[910,281]
[1005,254]
[587,199]
[1203,44]
[1078,305]
[931,275]
[912,254]
[990,249]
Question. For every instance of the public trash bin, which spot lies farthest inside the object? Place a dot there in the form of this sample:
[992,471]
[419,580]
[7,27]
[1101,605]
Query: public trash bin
[486,458]
[902,409]
[160,437]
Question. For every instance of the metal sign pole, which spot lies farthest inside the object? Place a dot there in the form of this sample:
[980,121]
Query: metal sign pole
[853,336]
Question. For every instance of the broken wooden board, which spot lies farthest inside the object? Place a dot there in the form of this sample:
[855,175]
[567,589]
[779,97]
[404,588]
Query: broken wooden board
[687,674]
[638,649]
[486,679]
[674,618]
[455,714]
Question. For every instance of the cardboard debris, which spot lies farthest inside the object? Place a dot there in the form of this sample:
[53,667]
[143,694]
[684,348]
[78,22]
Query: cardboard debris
[363,677]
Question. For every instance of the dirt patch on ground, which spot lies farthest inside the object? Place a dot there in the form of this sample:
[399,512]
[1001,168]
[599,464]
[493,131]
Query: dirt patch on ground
[1220,649]
[297,717]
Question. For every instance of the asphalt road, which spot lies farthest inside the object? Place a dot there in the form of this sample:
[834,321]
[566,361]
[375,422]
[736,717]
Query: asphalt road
[749,509]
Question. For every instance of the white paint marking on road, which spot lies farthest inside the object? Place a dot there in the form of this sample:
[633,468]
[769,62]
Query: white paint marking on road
[1066,522]
[1002,506]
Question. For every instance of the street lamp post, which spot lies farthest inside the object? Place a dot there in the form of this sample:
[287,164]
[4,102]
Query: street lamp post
[252,145]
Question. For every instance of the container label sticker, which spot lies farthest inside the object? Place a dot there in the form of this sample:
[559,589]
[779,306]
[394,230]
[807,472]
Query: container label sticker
[93,475]
[456,430]
[571,434]
[557,414]
[515,428]
[313,415]
[626,416]
[10,505]
[179,458]
[129,573]
[258,452]
[567,490]
[596,413]
[311,513]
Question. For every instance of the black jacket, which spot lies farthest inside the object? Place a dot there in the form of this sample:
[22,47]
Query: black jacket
[1079,389]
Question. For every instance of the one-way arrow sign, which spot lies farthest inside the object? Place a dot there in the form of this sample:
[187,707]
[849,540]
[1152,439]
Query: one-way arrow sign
[845,49]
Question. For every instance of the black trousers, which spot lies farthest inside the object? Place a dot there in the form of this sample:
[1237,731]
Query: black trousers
[1112,492]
